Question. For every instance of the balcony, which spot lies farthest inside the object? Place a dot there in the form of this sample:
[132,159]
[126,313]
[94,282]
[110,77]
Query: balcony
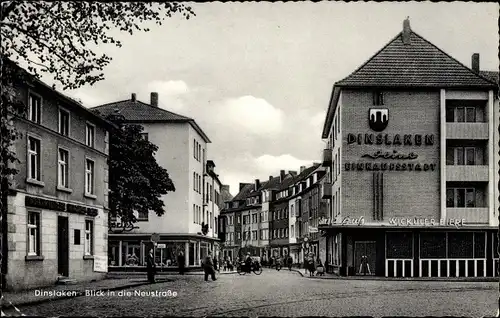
[327,157]
[327,191]
[477,173]
[470,215]
[467,131]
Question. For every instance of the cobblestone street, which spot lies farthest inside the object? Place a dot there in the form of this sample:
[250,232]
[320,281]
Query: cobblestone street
[283,294]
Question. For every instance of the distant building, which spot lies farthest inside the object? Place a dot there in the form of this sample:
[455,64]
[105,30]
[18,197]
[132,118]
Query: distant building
[192,208]
[57,218]
[413,160]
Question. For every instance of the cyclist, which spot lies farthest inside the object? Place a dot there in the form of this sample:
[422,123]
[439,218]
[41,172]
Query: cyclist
[248,263]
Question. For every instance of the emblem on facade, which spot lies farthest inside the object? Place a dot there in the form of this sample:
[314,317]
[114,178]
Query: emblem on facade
[378,118]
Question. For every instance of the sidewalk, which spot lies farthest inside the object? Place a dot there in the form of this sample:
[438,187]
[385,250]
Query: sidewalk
[303,273]
[57,292]
[141,274]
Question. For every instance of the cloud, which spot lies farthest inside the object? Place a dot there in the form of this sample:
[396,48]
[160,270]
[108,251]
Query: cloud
[253,115]
[169,88]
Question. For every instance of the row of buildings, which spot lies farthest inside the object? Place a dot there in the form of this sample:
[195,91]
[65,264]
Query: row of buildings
[56,224]
[407,183]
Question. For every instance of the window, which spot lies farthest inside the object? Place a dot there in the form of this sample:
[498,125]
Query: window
[238,235]
[90,135]
[460,198]
[194,181]
[34,159]
[199,152]
[195,149]
[292,230]
[292,211]
[239,219]
[63,168]
[89,176]
[34,234]
[286,232]
[34,108]
[63,122]
[145,136]
[378,98]
[195,215]
[254,235]
[461,114]
[254,218]
[211,193]
[143,215]
[89,244]
[280,233]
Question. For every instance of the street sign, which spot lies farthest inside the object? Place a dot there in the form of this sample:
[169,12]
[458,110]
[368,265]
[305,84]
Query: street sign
[161,245]
[155,237]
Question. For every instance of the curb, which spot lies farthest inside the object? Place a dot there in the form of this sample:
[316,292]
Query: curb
[139,274]
[298,271]
[409,279]
[77,294]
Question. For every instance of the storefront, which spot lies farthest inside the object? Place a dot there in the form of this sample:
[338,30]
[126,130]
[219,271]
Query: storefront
[127,252]
[411,252]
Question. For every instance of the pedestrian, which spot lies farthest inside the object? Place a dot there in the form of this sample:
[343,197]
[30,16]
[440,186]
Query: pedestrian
[208,268]
[181,261]
[289,262]
[151,266]
[320,269]
[216,264]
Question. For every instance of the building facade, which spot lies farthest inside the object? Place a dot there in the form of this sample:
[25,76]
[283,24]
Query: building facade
[188,224]
[413,174]
[57,208]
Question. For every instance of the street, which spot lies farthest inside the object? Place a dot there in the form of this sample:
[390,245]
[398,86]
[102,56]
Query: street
[283,294]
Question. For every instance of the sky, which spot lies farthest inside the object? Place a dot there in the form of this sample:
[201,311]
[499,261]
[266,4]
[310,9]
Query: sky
[257,77]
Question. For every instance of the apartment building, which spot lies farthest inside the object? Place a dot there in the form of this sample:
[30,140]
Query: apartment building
[414,173]
[188,224]
[57,218]
[279,215]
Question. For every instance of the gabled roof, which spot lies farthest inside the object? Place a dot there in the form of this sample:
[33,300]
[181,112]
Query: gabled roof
[245,191]
[225,195]
[418,64]
[289,179]
[136,111]
[306,173]
[271,184]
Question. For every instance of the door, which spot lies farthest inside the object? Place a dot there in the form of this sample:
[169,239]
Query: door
[62,246]
[365,256]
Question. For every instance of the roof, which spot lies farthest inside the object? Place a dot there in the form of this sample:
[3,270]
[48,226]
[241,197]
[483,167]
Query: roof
[68,100]
[271,184]
[139,112]
[289,180]
[307,171]
[245,191]
[491,75]
[225,195]
[419,64]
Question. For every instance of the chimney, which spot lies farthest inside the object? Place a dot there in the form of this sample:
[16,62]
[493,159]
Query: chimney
[475,62]
[406,31]
[133,97]
[282,175]
[302,168]
[270,178]
[154,99]
[257,184]
[242,185]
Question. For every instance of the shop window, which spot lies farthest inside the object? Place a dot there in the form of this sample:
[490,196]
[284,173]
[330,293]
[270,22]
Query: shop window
[131,254]
[460,244]
[432,245]
[399,245]
[113,256]
[192,248]
[479,245]
[496,248]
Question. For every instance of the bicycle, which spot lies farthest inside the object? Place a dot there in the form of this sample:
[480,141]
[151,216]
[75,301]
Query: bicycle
[254,267]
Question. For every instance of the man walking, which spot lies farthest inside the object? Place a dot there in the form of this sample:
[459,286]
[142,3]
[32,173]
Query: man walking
[181,261]
[151,266]
[208,268]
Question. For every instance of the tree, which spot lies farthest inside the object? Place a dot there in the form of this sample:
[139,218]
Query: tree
[59,38]
[136,180]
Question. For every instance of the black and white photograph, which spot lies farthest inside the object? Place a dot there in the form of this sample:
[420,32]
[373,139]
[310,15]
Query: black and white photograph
[249,159]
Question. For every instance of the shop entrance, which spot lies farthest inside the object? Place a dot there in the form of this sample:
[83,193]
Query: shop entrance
[62,246]
[365,256]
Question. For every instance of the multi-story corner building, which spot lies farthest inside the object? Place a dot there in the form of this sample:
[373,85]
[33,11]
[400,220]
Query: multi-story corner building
[212,203]
[182,150]
[414,171]
[57,219]
[279,214]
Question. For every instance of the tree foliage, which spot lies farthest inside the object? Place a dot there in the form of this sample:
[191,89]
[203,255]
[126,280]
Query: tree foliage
[60,38]
[136,180]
